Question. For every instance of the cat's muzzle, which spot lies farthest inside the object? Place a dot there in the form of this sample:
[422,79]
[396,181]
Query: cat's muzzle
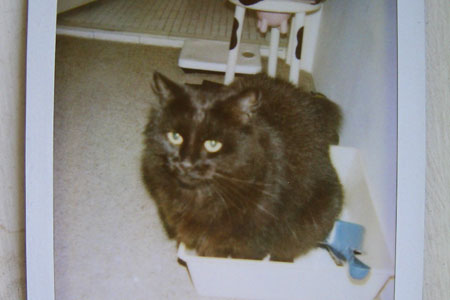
[190,176]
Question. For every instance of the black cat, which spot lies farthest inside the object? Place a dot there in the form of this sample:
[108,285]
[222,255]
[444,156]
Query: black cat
[243,170]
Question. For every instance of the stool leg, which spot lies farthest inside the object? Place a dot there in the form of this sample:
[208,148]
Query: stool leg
[291,42]
[296,48]
[273,53]
[312,24]
[235,41]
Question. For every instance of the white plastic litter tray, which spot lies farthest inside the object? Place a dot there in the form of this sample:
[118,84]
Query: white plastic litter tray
[211,55]
[310,277]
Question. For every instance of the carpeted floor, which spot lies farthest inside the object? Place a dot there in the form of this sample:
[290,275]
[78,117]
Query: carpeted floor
[109,243]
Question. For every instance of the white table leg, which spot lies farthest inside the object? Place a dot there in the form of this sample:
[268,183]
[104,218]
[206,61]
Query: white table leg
[296,48]
[310,36]
[273,53]
[291,41]
[235,41]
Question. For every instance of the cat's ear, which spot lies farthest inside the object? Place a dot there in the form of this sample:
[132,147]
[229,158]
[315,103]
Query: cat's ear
[165,88]
[246,105]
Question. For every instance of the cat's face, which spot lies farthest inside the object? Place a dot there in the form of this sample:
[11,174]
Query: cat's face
[204,135]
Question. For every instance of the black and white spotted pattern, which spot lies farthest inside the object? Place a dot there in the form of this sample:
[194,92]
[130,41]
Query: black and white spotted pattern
[298,47]
[249,2]
[234,37]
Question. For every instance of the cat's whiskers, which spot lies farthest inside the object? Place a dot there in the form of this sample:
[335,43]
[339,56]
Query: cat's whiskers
[240,191]
[222,198]
[232,187]
[248,184]
[230,195]
[316,227]
[261,208]
[252,182]
[292,231]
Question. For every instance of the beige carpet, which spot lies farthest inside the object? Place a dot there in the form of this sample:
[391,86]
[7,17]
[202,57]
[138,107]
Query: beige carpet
[109,243]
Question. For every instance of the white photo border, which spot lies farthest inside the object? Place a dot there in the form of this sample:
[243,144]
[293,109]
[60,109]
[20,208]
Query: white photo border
[411,153]
[39,91]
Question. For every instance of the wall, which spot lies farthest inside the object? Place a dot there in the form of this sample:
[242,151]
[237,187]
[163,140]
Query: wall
[12,101]
[437,217]
[355,65]
[437,245]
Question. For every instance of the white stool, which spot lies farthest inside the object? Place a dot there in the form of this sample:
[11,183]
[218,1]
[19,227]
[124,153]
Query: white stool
[302,37]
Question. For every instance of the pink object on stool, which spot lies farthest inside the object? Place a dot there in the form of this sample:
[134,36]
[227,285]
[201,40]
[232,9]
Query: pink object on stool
[272,19]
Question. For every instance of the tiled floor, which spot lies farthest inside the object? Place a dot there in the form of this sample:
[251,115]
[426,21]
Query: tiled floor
[156,21]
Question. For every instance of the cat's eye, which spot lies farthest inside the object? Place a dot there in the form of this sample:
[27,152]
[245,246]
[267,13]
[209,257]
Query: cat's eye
[212,146]
[174,138]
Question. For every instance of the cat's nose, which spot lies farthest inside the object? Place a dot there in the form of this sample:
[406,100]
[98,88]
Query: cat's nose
[185,165]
